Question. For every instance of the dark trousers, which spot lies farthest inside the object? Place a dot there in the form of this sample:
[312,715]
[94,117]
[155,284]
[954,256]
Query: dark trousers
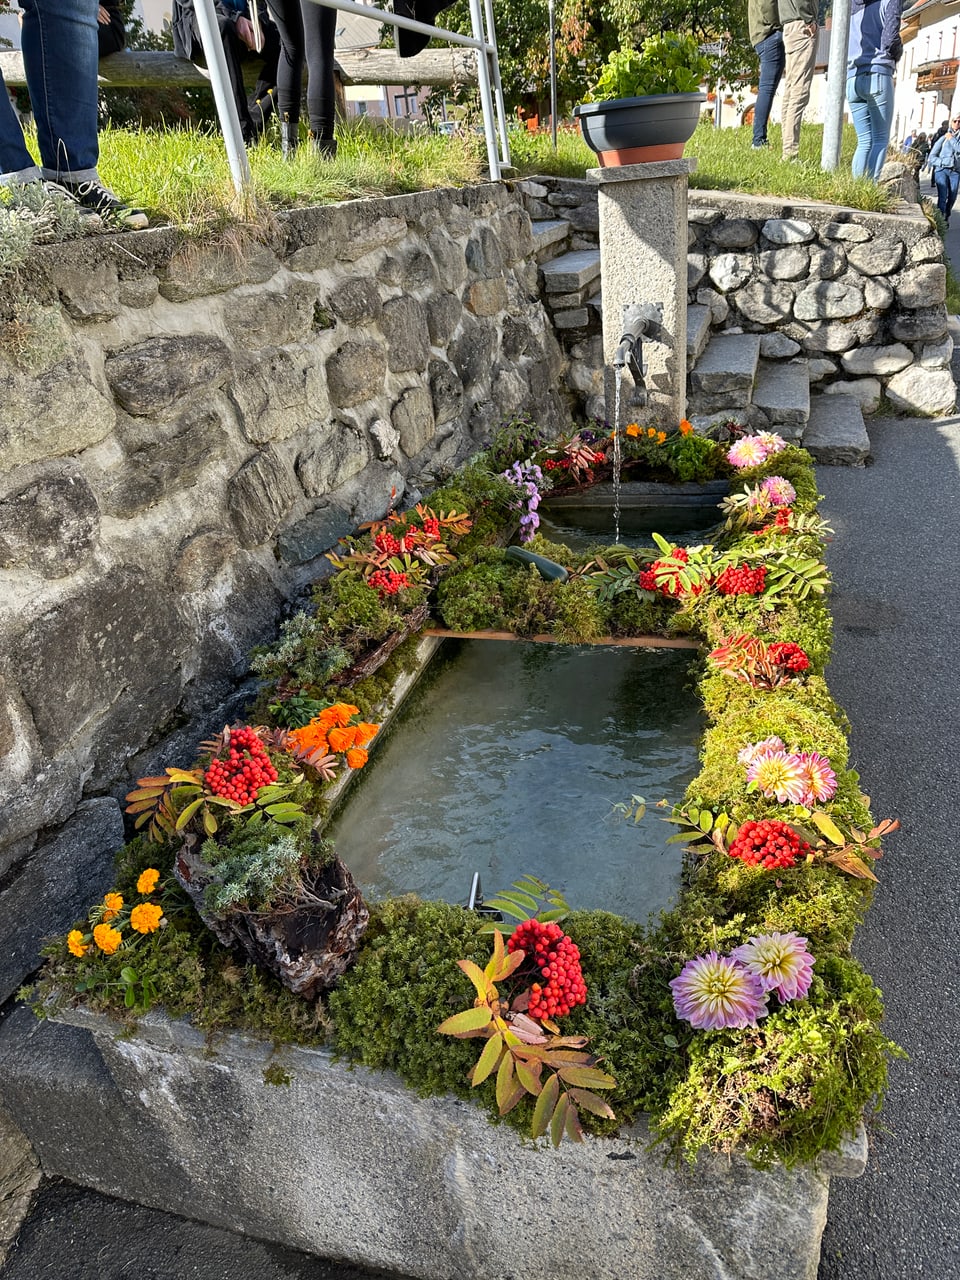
[307,35]
[772,59]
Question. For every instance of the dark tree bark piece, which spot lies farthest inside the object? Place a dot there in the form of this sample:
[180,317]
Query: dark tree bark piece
[375,658]
[308,943]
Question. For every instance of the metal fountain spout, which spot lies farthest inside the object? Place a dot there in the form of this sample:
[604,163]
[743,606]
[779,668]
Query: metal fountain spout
[640,320]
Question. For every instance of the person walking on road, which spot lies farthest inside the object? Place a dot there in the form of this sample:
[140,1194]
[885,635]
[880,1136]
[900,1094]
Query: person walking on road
[763,22]
[944,161]
[800,30]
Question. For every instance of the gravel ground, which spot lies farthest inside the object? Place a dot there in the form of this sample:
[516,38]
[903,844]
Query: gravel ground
[896,565]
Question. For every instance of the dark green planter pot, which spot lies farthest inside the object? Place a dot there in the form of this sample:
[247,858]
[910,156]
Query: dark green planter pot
[637,130]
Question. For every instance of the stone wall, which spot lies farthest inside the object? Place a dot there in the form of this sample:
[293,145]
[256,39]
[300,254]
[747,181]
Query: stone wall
[859,295]
[186,427]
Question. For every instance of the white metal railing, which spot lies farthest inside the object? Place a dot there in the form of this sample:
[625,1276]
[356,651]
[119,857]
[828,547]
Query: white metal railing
[483,40]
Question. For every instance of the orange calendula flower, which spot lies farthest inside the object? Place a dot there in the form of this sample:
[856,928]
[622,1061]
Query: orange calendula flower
[686,426]
[340,739]
[661,436]
[145,917]
[312,736]
[107,938]
[76,944]
[357,757]
[364,732]
[113,903]
[632,429]
[148,880]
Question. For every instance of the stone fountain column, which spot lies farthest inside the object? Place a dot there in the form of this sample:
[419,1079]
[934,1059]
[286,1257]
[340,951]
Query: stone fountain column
[643,258]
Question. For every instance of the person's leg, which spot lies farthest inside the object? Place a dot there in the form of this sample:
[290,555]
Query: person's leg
[16,162]
[881,119]
[800,53]
[857,86]
[60,57]
[953,184]
[941,178]
[289,23]
[319,28]
[771,55]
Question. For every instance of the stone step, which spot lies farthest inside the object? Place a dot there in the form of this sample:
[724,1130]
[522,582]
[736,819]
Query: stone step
[547,232]
[728,365]
[698,332]
[571,271]
[835,433]
[782,393]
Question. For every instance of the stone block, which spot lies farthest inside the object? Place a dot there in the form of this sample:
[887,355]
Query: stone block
[826,263]
[834,337]
[877,257]
[473,354]
[372,493]
[199,558]
[938,355]
[728,364]
[866,392]
[366,235]
[60,880]
[166,465]
[927,249]
[90,294]
[404,325]
[446,391]
[418,270]
[877,294]
[444,311]
[547,232]
[334,452]
[577,318]
[852,232]
[877,362]
[819,368]
[790,263]
[148,377]
[19,1178]
[571,271]
[788,231]
[260,496]
[719,307]
[314,534]
[733,233]
[51,525]
[270,317]
[356,372]
[199,270]
[486,297]
[356,300]
[731,270]
[483,254]
[699,319]
[782,393]
[697,265]
[925,324]
[922,286]
[916,390]
[835,434]
[414,420]
[828,300]
[279,391]
[58,413]
[138,292]
[385,439]
[764,301]
[777,346]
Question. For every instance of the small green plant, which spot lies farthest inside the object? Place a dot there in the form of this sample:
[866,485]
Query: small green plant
[666,63]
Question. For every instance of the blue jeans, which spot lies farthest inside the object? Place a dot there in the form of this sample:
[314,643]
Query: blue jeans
[947,182]
[870,95]
[60,50]
[772,58]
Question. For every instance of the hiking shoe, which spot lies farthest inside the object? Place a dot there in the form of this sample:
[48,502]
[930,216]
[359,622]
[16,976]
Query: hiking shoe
[93,195]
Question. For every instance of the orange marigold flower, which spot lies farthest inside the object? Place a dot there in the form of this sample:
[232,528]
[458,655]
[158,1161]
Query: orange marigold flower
[686,426]
[107,938]
[148,880]
[357,758]
[364,732]
[633,429]
[340,739]
[343,713]
[145,917]
[113,902]
[311,737]
[76,944]
[661,436]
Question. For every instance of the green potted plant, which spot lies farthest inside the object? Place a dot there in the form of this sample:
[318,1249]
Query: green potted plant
[645,103]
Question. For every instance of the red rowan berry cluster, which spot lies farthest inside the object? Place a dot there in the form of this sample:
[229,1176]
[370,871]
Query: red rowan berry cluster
[558,960]
[788,655]
[768,843]
[431,526]
[741,580]
[245,769]
[389,544]
[387,583]
[557,464]
[671,586]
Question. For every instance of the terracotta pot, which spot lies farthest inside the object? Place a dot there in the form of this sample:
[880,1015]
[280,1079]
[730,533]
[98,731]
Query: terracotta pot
[639,130]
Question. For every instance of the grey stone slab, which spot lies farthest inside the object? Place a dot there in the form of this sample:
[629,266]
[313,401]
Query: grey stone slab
[548,231]
[835,433]
[728,364]
[571,271]
[346,1139]
[783,392]
[698,331]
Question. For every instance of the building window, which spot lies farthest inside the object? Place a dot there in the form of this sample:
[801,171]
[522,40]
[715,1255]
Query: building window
[405,104]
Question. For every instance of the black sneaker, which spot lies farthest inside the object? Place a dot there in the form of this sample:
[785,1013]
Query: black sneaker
[100,199]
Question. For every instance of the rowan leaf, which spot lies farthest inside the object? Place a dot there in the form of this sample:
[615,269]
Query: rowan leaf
[467,1020]
[572,1126]
[505,1081]
[546,1104]
[592,1103]
[824,823]
[559,1120]
[853,865]
[187,813]
[587,1077]
[529,1076]
[509,966]
[476,976]
[488,1060]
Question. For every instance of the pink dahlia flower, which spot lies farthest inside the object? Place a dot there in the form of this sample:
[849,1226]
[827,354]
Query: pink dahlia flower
[781,961]
[819,778]
[780,775]
[713,992]
[780,491]
[772,442]
[749,451]
[755,749]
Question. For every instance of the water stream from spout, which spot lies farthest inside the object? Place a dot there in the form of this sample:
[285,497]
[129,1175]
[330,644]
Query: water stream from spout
[617,461]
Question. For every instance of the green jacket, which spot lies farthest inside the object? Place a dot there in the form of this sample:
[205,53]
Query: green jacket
[762,19]
[797,11]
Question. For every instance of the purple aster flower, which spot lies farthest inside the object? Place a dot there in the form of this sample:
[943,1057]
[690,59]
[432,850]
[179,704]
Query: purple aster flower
[781,961]
[749,451]
[714,992]
[780,491]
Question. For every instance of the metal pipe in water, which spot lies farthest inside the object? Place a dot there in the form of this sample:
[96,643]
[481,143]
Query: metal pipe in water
[617,379]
